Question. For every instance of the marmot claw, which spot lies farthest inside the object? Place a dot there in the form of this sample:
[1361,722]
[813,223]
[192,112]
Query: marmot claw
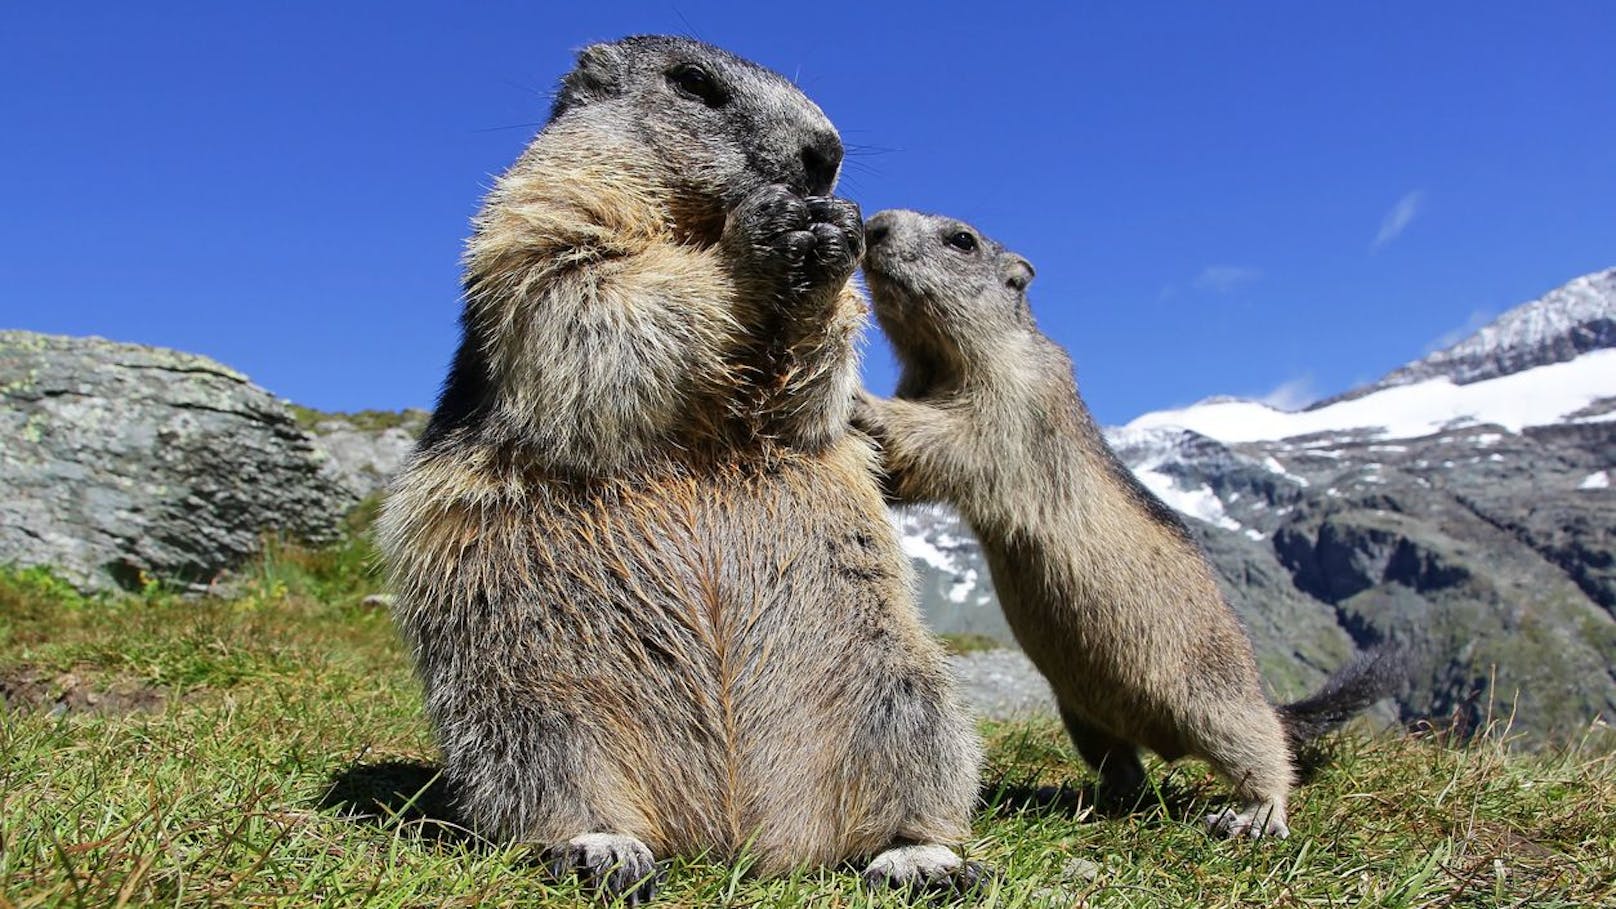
[610,864]
[925,869]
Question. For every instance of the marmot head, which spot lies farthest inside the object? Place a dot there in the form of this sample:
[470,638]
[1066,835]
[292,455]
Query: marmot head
[725,126]
[944,293]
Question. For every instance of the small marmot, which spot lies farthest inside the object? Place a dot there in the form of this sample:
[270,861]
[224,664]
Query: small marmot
[647,575]
[1102,584]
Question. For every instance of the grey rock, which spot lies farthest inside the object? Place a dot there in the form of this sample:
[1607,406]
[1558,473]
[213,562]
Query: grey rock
[122,463]
[364,460]
[954,585]
[1298,640]
[1478,551]
[1079,870]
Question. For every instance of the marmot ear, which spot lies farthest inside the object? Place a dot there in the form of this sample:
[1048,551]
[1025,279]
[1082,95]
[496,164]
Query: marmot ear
[1018,273]
[598,75]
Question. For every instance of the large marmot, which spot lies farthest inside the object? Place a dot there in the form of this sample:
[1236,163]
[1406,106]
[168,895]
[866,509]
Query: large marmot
[1101,583]
[651,587]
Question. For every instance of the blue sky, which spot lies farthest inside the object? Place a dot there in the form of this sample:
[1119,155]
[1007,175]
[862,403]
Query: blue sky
[1240,198]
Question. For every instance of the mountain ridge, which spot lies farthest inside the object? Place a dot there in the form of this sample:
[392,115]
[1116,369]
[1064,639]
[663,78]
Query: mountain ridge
[1548,361]
[1574,318]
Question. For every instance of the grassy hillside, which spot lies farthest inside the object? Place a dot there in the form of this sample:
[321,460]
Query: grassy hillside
[268,749]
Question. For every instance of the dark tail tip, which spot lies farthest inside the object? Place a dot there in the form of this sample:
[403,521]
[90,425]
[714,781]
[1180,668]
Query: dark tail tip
[1366,678]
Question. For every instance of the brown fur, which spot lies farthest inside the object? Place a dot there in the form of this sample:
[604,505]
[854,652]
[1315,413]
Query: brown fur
[648,577]
[1101,583]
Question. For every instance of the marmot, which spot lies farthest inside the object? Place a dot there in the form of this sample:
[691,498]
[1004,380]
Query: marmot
[1101,582]
[647,575]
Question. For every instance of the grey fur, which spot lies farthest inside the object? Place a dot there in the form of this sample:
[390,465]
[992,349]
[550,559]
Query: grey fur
[1102,584]
[646,574]
[761,135]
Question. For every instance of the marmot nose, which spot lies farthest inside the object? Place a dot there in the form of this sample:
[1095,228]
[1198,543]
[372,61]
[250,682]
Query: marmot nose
[876,229]
[821,158]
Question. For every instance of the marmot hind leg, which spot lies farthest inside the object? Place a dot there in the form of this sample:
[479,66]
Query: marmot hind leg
[915,764]
[521,771]
[926,868]
[1122,775]
[1246,744]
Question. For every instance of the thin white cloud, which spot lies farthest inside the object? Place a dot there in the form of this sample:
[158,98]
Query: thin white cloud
[1224,278]
[1398,219]
[1292,394]
[1478,318]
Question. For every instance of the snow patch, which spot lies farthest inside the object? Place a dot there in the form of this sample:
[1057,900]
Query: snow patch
[963,586]
[916,546]
[1200,502]
[1274,467]
[1596,480]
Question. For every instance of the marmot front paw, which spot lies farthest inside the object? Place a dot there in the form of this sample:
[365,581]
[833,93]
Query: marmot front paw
[798,245]
[614,866]
[927,868]
[866,415]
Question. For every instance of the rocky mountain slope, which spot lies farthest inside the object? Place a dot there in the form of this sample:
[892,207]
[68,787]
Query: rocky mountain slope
[1461,505]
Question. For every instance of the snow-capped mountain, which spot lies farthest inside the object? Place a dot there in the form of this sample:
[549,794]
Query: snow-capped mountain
[1562,325]
[1462,504]
[1547,362]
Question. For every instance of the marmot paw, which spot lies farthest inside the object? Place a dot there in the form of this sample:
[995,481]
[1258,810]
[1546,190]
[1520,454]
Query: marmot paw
[924,869]
[799,245]
[838,229]
[866,414]
[1258,820]
[611,864]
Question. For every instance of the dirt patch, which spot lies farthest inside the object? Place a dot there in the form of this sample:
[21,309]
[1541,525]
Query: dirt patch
[76,691]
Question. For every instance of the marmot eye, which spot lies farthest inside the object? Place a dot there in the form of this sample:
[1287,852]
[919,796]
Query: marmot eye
[694,83]
[962,241]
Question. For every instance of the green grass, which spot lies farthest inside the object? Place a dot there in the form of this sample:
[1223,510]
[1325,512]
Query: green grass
[269,750]
[411,419]
[968,642]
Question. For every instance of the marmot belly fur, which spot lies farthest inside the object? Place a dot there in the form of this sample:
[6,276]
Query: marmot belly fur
[649,580]
[1102,584]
